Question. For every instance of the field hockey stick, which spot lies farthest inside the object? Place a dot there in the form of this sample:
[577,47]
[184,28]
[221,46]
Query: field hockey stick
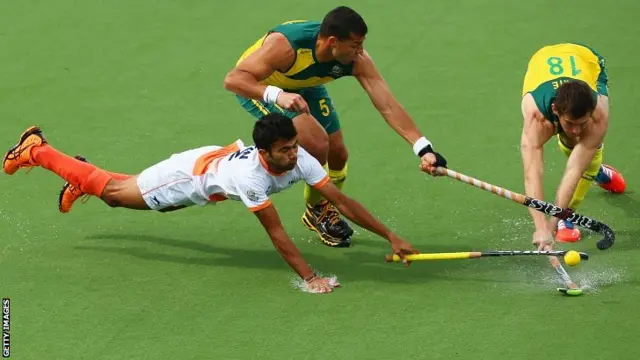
[570,288]
[609,237]
[479,254]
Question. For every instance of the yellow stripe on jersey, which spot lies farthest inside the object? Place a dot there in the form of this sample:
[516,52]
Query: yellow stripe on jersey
[258,104]
[281,81]
[256,45]
[304,59]
[555,62]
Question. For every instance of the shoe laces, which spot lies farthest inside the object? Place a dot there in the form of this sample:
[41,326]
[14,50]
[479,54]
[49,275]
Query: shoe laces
[15,154]
[333,216]
[84,197]
[562,224]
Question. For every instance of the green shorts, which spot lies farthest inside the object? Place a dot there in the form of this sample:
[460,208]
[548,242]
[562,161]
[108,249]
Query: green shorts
[317,98]
[602,83]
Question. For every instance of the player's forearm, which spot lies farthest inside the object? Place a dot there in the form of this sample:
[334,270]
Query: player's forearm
[244,84]
[290,253]
[576,166]
[355,212]
[567,187]
[533,170]
[400,121]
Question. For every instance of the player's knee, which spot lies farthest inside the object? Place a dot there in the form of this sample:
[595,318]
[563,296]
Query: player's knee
[111,201]
[111,194]
[338,156]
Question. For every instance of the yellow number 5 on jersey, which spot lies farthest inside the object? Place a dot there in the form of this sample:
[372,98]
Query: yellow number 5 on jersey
[324,108]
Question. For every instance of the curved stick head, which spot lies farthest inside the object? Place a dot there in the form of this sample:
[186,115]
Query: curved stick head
[608,239]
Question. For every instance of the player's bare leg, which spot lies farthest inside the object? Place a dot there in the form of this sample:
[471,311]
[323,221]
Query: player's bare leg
[338,154]
[312,137]
[71,193]
[124,193]
[604,175]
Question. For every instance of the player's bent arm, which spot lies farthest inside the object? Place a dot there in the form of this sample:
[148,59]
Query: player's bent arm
[270,220]
[534,136]
[353,210]
[383,100]
[275,54]
[580,158]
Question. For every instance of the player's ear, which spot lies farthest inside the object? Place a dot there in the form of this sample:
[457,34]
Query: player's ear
[553,108]
[263,152]
[333,41]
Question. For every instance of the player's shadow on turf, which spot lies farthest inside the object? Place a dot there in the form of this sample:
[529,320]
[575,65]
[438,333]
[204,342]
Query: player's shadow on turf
[360,266]
[626,202]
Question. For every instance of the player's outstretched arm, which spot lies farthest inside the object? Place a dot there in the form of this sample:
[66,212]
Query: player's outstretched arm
[394,113]
[578,162]
[271,222]
[355,212]
[383,100]
[535,134]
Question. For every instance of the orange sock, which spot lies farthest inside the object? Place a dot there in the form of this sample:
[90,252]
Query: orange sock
[118,176]
[89,178]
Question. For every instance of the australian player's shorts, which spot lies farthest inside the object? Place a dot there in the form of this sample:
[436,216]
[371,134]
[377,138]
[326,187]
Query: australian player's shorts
[554,64]
[317,97]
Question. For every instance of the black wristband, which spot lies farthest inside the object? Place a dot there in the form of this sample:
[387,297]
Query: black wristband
[425,150]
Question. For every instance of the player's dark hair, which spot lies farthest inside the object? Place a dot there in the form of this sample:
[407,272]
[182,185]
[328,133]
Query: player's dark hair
[271,128]
[341,22]
[574,99]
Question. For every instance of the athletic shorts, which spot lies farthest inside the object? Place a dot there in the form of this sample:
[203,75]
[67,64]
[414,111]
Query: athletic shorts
[171,182]
[317,97]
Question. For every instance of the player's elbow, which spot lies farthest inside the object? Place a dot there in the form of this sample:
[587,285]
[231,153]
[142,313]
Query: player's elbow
[231,80]
[384,107]
[527,146]
[524,146]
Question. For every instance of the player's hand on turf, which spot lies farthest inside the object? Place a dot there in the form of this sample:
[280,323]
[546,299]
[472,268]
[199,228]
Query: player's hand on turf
[401,248]
[292,102]
[542,238]
[321,285]
[431,161]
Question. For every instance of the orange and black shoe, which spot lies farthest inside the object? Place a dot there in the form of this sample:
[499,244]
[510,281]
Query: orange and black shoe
[70,193]
[20,155]
[325,220]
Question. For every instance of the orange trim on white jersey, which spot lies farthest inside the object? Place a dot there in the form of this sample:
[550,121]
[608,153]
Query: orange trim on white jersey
[322,182]
[203,162]
[263,162]
[265,205]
